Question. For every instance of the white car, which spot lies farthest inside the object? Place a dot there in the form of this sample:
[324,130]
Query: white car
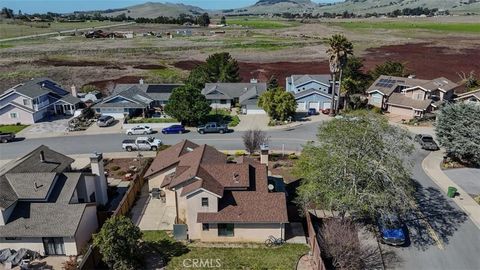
[139,130]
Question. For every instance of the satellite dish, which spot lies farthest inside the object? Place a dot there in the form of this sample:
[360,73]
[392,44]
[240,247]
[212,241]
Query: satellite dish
[270,187]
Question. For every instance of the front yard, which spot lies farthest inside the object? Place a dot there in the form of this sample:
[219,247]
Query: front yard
[12,128]
[223,116]
[179,256]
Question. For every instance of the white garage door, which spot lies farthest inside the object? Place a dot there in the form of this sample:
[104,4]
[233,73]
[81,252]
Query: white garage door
[254,110]
[314,105]
[327,105]
[301,106]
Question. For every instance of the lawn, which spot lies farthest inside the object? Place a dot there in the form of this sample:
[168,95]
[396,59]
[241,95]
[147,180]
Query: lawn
[12,128]
[259,23]
[402,25]
[10,29]
[151,120]
[178,255]
[223,116]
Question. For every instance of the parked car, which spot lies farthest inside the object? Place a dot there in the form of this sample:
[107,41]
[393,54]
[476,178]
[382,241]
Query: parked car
[212,128]
[392,230]
[140,130]
[326,111]
[175,129]
[312,111]
[426,142]
[7,137]
[142,144]
[105,120]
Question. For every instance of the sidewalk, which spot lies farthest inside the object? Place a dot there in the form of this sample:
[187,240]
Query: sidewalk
[431,166]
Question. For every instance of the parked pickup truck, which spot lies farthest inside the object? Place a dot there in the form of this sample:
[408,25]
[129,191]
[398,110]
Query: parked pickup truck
[212,128]
[6,137]
[142,144]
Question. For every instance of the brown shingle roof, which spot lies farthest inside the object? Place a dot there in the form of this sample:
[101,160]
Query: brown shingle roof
[403,101]
[170,157]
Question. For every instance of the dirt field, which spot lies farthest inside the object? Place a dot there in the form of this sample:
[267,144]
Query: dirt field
[260,52]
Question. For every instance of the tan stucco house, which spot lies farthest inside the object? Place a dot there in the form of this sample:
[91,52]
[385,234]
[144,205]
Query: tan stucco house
[219,200]
[48,208]
[410,97]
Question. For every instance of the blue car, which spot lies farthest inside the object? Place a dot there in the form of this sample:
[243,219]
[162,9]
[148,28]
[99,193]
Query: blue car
[174,129]
[312,111]
[392,230]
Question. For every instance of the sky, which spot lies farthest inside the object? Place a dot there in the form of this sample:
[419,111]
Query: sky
[65,6]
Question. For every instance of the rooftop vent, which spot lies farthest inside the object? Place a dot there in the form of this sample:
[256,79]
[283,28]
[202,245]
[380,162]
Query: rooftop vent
[235,177]
[42,156]
[270,187]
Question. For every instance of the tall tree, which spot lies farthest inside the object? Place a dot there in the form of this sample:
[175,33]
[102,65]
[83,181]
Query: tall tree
[223,20]
[458,130]
[188,105]
[198,77]
[357,167]
[389,68]
[339,50]
[355,81]
[273,82]
[253,139]
[222,67]
[204,20]
[279,104]
[118,242]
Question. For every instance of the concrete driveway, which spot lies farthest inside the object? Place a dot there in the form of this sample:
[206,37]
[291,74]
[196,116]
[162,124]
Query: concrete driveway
[95,129]
[253,121]
[57,126]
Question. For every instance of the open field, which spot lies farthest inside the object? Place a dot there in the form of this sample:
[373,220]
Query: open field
[17,29]
[261,51]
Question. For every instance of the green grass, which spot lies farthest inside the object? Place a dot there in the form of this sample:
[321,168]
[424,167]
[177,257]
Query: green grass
[260,45]
[21,74]
[17,29]
[155,236]
[152,120]
[259,23]
[284,257]
[12,128]
[398,25]
[223,116]
[4,46]
[166,75]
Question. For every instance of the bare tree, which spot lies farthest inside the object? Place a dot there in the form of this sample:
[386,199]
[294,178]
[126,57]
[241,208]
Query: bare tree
[253,139]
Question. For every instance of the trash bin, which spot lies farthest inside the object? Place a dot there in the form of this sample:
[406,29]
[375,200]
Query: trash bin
[451,192]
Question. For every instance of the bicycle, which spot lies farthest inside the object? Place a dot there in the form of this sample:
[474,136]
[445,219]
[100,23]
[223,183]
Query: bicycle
[273,241]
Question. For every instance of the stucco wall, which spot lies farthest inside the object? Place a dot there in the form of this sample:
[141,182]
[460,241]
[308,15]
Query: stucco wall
[254,232]
[376,99]
[417,94]
[310,85]
[194,206]
[70,246]
[407,113]
[35,244]
[88,225]
[23,117]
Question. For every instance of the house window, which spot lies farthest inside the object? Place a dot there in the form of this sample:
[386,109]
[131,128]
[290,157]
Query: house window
[205,227]
[26,102]
[225,229]
[204,202]
[13,115]
[223,101]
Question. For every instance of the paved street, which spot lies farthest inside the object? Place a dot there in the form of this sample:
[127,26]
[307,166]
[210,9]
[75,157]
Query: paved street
[467,178]
[441,235]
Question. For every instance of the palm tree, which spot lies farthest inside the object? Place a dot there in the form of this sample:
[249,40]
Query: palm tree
[338,53]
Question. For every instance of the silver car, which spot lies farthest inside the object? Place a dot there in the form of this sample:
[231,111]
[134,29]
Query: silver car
[139,130]
[105,121]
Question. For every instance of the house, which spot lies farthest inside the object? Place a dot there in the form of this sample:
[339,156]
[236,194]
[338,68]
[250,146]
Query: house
[34,100]
[216,199]
[410,97]
[228,95]
[311,91]
[48,208]
[135,99]
[469,97]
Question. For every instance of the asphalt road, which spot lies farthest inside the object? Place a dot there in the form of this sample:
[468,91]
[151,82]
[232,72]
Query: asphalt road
[441,235]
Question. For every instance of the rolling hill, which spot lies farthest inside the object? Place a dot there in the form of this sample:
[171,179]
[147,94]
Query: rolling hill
[153,10]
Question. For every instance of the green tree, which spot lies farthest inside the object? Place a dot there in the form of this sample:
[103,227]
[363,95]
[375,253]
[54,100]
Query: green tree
[188,105]
[223,20]
[222,67]
[198,77]
[355,80]
[389,68]
[118,242]
[203,20]
[357,167]
[273,82]
[458,130]
[339,50]
[279,104]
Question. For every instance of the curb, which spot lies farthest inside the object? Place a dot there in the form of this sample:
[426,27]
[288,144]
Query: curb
[464,201]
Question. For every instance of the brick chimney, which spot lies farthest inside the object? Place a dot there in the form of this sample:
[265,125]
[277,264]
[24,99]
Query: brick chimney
[96,163]
[264,149]
[73,89]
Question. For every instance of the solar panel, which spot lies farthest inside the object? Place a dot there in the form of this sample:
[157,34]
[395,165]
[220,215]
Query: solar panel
[53,87]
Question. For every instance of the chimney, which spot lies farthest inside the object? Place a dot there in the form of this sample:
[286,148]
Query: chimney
[264,149]
[96,163]
[140,81]
[42,156]
[74,90]
[43,85]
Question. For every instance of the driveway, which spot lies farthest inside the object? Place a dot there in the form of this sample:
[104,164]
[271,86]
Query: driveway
[253,121]
[56,126]
[466,178]
[115,128]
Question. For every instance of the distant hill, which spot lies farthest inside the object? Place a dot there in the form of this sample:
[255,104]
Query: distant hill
[153,10]
[355,6]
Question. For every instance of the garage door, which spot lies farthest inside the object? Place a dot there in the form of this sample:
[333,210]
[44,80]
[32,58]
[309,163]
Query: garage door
[314,105]
[251,109]
[301,106]
[327,105]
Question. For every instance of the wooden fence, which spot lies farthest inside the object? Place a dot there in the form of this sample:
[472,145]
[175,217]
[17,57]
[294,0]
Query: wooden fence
[313,241]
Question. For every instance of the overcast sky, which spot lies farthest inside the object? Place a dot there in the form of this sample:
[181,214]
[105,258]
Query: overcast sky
[64,6]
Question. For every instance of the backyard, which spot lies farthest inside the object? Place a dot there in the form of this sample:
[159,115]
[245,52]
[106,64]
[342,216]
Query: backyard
[243,256]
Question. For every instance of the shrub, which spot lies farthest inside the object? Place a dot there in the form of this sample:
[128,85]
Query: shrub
[292,156]
[239,153]
[115,168]
[477,199]
[377,110]
[235,121]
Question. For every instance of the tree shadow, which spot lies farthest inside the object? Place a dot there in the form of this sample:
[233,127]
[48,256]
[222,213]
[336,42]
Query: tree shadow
[435,217]
[157,254]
